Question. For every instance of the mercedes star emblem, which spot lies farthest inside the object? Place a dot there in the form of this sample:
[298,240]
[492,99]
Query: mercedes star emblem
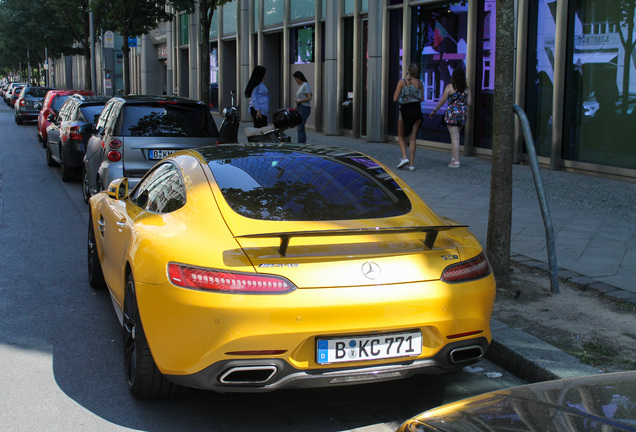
[371,270]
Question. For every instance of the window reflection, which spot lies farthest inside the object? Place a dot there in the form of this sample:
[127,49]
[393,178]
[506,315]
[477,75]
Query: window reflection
[602,84]
[301,186]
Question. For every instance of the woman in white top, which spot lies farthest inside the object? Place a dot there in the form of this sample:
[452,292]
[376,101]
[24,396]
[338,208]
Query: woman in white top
[303,103]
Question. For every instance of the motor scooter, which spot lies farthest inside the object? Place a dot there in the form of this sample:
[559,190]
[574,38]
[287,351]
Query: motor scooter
[282,119]
[228,132]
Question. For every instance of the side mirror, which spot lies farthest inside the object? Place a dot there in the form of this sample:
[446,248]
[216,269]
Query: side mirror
[51,117]
[118,189]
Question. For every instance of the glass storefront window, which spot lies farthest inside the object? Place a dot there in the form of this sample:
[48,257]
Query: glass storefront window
[229,18]
[184,29]
[273,12]
[600,89]
[255,14]
[214,25]
[302,9]
[302,45]
[348,7]
[540,73]
[438,47]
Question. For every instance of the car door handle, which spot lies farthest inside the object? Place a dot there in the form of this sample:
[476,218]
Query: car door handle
[100,225]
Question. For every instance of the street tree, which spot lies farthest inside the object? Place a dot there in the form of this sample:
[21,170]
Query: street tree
[75,14]
[137,17]
[206,12]
[500,211]
[28,28]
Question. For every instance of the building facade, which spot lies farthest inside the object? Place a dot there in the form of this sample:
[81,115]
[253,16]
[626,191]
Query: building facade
[575,73]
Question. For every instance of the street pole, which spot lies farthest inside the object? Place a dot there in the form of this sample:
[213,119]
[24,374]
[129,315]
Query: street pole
[93,61]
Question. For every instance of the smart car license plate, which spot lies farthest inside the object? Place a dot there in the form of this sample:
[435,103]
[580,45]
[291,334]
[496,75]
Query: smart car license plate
[159,154]
[363,348]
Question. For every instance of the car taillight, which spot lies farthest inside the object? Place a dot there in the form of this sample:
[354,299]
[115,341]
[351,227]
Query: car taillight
[22,103]
[474,268]
[114,143]
[114,156]
[74,133]
[227,282]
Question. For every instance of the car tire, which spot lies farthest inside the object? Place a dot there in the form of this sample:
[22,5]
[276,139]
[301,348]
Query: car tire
[68,174]
[86,191]
[44,140]
[19,120]
[144,379]
[95,274]
[49,158]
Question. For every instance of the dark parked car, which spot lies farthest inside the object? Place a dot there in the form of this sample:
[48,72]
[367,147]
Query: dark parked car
[29,103]
[135,132]
[605,402]
[69,132]
[52,103]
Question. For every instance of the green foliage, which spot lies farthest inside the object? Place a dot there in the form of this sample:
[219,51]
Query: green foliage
[28,26]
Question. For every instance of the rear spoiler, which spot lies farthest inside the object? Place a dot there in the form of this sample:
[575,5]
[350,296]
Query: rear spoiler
[429,241]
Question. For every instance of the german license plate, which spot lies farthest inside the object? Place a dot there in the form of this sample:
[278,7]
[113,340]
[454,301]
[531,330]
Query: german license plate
[159,154]
[364,348]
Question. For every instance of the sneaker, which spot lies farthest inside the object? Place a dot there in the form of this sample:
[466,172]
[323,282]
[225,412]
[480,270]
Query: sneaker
[402,163]
[453,164]
[411,168]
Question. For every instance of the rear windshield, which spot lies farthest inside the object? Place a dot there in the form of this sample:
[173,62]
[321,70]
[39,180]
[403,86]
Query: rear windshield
[295,186]
[37,92]
[167,120]
[91,112]
[59,101]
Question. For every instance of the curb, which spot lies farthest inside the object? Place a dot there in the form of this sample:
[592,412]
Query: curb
[530,358]
[534,360]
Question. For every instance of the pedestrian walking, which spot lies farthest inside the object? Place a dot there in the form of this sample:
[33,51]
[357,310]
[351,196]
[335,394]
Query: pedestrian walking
[303,103]
[258,96]
[409,94]
[458,96]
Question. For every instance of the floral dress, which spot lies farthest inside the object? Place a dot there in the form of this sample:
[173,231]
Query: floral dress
[455,115]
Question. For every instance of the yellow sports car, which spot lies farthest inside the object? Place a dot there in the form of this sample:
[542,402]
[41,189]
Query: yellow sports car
[259,267]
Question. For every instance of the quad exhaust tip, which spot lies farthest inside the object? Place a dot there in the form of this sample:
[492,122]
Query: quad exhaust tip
[248,374]
[466,354]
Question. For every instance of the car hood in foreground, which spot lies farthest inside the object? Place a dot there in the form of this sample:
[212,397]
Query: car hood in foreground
[604,402]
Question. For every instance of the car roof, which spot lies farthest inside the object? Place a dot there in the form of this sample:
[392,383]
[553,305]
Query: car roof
[243,150]
[65,92]
[91,99]
[145,99]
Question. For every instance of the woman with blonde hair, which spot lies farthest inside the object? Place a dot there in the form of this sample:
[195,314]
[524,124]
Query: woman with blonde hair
[458,96]
[409,93]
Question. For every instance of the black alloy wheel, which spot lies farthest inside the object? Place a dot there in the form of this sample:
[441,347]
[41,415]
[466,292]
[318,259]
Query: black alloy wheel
[95,273]
[49,157]
[145,381]
[68,173]
[86,192]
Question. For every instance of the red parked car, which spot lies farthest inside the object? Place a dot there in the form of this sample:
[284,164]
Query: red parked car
[52,103]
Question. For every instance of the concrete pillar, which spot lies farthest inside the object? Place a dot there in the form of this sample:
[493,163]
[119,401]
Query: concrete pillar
[376,117]
[244,44]
[332,98]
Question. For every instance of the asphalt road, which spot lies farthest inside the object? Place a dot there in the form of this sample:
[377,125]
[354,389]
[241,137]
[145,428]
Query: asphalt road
[61,366]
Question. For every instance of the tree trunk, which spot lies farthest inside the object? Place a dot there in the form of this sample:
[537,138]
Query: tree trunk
[500,213]
[125,49]
[87,66]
